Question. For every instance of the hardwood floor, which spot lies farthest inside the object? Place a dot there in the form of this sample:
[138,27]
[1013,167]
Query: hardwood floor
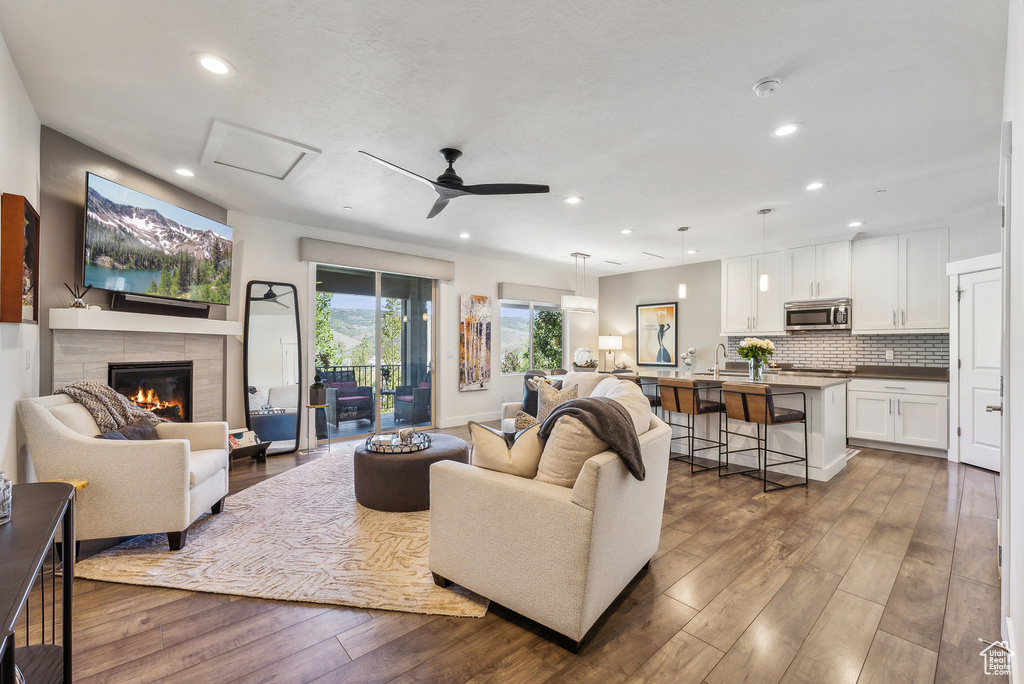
[885,574]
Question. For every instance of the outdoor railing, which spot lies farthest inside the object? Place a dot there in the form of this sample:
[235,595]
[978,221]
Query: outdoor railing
[365,376]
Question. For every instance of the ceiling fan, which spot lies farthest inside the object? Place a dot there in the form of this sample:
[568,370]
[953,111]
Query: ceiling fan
[272,297]
[449,186]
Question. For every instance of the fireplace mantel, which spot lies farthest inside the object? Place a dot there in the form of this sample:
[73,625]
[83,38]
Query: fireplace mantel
[92,319]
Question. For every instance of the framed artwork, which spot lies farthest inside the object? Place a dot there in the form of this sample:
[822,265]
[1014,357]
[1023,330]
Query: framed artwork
[19,260]
[474,343]
[657,334]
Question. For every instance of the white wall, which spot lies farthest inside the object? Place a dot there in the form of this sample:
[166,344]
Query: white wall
[19,343]
[267,249]
[699,314]
[1012,480]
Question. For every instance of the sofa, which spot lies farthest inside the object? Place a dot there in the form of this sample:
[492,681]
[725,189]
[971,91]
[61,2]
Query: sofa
[587,381]
[135,487]
[557,555]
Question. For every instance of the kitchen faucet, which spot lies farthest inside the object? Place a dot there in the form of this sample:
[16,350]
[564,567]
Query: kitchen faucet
[725,355]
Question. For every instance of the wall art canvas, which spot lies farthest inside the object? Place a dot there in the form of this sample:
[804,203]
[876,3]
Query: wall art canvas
[657,332]
[475,343]
[19,261]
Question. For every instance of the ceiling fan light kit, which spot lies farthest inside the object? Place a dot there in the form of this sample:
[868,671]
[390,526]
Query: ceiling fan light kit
[449,185]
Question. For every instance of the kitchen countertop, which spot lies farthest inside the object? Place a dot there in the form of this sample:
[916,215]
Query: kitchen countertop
[775,380]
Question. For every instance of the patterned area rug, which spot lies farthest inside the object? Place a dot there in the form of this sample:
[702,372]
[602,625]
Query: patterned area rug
[298,536]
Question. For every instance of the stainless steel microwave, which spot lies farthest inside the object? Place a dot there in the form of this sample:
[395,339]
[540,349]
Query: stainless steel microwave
[820,314]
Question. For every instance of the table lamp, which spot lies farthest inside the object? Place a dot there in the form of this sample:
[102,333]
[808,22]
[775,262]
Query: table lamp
[609,343]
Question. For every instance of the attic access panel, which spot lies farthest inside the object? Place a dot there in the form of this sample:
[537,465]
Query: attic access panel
[246,149]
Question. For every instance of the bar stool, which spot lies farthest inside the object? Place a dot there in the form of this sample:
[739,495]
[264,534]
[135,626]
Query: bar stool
[682,396]
[653,399]
[755,403]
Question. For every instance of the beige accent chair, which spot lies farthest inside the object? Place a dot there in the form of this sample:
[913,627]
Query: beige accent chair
[556,555]
[135,487]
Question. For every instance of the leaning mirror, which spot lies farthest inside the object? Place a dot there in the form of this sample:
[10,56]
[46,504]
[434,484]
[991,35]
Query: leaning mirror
[272,364]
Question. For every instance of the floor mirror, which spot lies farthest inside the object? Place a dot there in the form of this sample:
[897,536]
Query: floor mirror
[272,366]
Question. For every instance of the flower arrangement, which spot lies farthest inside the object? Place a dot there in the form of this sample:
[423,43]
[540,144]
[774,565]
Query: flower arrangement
[756,352]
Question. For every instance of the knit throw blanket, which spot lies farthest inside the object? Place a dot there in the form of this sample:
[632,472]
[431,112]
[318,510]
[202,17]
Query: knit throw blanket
[609,422]
[110,410]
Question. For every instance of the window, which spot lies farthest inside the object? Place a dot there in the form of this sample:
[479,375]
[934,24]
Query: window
[531,336]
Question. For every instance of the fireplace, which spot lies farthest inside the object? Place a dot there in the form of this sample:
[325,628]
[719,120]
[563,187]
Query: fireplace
[163,388]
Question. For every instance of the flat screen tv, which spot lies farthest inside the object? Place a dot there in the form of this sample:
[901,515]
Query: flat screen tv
[138,244]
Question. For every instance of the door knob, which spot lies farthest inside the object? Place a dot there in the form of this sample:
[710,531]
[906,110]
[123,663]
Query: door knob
[997,407]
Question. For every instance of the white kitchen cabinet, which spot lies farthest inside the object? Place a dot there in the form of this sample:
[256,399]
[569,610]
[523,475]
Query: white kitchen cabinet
[911,413]
[817,272]
[899,283]
[745,309]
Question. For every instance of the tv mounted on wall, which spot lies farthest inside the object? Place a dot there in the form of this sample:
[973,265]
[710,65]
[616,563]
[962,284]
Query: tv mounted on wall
[138,244]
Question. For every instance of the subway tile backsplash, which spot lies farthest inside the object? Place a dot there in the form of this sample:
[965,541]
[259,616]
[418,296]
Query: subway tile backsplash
[843,350]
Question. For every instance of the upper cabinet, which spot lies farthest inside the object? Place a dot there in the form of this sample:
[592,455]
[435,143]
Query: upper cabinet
[817,272]
[900,283]
[745,308]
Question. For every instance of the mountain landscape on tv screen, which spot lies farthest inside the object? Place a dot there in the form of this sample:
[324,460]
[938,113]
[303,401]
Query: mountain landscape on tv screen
[137,249]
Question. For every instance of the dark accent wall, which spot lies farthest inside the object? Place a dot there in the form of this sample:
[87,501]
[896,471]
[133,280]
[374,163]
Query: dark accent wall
[63,164]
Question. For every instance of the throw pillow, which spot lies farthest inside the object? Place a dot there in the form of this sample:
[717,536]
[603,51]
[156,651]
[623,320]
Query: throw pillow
[256,399]
[628,395]
[513,453]
[586,381]
[140,429]
[524,420]
[570,445]
[548,398]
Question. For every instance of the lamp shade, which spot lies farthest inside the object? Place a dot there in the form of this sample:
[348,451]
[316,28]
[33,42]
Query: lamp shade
[579,304]
[609,342]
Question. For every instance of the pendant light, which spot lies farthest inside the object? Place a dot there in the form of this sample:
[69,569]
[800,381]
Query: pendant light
[682,251]
[762,280]
[576,302]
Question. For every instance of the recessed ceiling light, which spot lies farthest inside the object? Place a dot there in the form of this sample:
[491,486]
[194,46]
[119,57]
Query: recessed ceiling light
[346,208]
[626,231]
[215,64]
[691,251]
[184,172]
[573,199]
[464,236]
[855,224]
[816,185]
[786,129]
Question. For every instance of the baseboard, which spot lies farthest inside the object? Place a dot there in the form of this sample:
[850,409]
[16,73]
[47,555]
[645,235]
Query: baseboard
[901,448]
[460,421]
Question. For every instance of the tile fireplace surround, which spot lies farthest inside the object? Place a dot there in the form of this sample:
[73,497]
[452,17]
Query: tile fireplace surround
[82,352]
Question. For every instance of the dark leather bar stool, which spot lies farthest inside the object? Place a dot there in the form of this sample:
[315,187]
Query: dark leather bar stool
[654,399]
[755,403]
[683,396]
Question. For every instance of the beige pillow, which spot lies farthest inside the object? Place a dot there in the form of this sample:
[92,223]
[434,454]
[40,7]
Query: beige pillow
[586,381]
[515,454]
[628,395]
[569,446]
[548,398]
[524,420]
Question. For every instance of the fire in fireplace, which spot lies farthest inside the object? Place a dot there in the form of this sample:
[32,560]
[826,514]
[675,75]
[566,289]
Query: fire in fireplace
[163,388]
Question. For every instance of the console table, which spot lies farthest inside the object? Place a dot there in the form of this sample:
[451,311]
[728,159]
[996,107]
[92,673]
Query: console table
[39,510]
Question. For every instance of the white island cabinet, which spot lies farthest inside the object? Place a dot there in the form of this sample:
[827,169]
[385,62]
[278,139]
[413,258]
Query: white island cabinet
[826,423]
[908,413]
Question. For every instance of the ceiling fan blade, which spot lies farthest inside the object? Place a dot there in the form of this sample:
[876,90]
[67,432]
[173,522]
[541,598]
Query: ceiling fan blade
[440,204]
[504,189]
[410,174]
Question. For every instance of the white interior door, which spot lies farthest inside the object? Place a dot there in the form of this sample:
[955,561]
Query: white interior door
[980,358]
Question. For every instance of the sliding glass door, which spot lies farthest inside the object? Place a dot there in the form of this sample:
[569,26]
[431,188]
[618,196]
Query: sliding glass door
[374,350]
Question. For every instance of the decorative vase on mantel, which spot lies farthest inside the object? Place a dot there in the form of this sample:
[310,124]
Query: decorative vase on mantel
[756,366]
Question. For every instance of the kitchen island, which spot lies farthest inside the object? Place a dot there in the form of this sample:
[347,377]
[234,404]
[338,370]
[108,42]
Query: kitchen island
[826,420]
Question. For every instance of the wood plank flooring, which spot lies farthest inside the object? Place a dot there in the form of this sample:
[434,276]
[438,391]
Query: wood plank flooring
[885,574]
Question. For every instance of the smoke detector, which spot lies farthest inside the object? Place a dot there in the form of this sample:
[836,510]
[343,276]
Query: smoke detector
[766,86]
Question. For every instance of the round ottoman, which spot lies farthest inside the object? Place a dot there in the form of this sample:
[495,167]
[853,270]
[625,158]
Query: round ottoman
[401,482]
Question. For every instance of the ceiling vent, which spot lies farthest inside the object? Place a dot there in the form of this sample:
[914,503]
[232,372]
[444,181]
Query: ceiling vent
[250,150]
[647,256]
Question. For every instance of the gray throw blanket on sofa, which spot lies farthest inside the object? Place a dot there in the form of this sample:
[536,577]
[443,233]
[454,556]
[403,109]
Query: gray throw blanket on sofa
[609,422]
[110,410]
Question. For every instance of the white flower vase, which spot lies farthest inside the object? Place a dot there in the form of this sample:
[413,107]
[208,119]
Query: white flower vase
[756,366]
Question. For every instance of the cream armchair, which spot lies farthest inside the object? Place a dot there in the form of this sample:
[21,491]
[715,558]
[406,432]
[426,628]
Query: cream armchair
[135,487]
[558,556]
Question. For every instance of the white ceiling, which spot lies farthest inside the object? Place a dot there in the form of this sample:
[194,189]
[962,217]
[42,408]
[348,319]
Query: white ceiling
[644,109]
